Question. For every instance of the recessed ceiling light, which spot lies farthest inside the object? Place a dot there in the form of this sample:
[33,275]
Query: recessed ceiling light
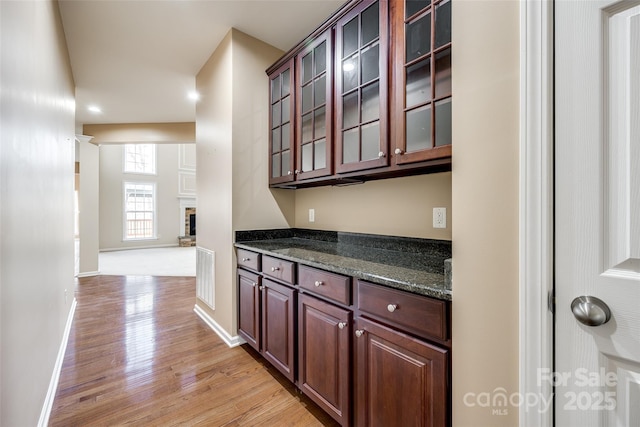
[193,95]
[94,109]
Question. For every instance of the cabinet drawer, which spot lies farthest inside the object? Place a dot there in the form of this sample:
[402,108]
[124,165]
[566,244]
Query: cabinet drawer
[248,259]
[417,314]
[327,284]
[278,269]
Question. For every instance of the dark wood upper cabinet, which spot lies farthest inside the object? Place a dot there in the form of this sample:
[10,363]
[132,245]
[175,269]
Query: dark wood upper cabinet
[361,88]
[366,96]
[421,89]
[314,108]
[281,124]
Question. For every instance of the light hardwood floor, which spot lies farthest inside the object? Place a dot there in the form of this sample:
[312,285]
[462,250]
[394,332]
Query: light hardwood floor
[138,355]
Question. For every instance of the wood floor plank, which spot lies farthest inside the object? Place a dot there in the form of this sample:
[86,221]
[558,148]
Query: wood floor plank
[138,355]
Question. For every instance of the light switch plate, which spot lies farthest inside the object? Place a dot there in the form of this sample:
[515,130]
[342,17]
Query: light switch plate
[439,217]
[312,215]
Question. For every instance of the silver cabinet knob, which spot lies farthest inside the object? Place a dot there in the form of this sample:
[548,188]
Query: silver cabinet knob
[381,154]
[318,283]
[289,172]
[245,259]
[341,325]
[297,171]
[392,307]
[359,332]
[253,284]
[590,311]
[398,151]
[275,269]
[261,288]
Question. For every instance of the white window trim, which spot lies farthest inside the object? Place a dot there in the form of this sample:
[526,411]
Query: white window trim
[124,211]
[155,161]
[536,205]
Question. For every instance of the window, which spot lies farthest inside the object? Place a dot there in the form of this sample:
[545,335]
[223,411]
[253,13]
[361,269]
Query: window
[140,158]
[139,211]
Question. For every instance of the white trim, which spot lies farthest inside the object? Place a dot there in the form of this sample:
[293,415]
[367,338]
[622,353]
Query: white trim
[88,274]
[231,341]
[126,248]
[55,376]
[536,205]
[154,187]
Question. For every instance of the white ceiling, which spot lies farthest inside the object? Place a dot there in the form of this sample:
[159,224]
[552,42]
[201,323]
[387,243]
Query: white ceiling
[137,60]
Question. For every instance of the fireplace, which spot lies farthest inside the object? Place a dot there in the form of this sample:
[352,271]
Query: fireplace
[187,235]
[192,224]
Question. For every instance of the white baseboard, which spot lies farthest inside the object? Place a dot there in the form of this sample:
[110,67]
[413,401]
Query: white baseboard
[228,339]
[88,274]
[55,377]
[167,245]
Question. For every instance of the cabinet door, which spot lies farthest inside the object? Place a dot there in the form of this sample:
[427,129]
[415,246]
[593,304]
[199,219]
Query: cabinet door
[314,140]
[421,111]
[361,88]
[278,305]
[249,308]
[400,381]
[323,349]
[281,125]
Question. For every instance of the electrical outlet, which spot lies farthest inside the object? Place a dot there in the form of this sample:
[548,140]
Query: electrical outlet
[312,215]
[439,217]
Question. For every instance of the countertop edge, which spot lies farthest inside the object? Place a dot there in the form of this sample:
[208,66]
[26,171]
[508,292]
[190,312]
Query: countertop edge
[420,289]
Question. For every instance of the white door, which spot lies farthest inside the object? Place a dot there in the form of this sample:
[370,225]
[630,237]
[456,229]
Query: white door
[597,61]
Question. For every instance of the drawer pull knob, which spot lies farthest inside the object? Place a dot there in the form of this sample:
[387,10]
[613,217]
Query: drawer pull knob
[381,154]
[275,269]
[398,151]
[341,325]
[359,332]
[245,259]
[253,284]
[261,288]
[392,307]
[318,283]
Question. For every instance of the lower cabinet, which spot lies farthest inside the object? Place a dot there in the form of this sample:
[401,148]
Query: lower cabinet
[278,305]
[400,380]
[249,308]
[324,356]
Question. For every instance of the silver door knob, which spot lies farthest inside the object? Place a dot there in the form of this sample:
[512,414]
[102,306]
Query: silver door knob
[359,332]
[398,151]
[392,307]
[381,154]
[341,325]
[590,311]
[275,269]
[318,283]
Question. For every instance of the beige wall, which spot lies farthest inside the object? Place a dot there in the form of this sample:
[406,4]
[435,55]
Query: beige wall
[141,132]
[396,207]
[88,205]
[485,206]
[111,197]
[231,146]
[36,208]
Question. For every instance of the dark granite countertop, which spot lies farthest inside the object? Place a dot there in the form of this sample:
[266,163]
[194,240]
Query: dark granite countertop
[413,265]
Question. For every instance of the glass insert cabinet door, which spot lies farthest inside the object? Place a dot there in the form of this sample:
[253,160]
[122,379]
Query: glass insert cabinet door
[314,108]
[281,157]
[422,87]
[361,88]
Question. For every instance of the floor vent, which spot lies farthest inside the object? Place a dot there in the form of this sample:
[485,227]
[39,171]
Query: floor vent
[205,276]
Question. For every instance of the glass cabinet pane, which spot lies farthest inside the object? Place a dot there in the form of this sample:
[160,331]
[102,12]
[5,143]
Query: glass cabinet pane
[350,115]
[286,129]
[370,64]
[286,158]
[307,94]
[371,102]
[307,66]
[320,91]
[319,128]
[275,165]
[418,34]
[414,6]
[443,122]
[275,88]
[418,128]
[320,53]
[418,90]
[307,157]
[286,110]
[275,140]
[443,73]
[307,128]
[275,114]
[320,154]
[443,24]
[370,24]
[350,37]
[370,141]
[351,146]
[350,69]
[285,83]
